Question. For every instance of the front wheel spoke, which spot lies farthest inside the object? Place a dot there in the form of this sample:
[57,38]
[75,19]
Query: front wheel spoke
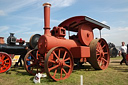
[67,65]
[64,71]
[61,73]
[31,65]
[55,55]
[32,56]
[59,53]
[64,55]
[4,66]
[3,57]
[41,64]
[54,67]
[6,63]
[28,59]
[1,68]
[67,59]
[6,59]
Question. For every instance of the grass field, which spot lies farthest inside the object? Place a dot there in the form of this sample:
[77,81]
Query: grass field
[115,74]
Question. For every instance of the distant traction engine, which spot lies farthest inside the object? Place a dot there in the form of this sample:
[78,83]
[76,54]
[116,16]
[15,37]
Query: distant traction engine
[56,55]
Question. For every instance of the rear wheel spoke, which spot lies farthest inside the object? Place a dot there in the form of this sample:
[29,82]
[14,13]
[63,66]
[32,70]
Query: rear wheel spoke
[55,73]
[52,61]
[104,60]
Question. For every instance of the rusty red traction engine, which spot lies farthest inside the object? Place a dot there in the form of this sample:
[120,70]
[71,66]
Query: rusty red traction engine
[56,55]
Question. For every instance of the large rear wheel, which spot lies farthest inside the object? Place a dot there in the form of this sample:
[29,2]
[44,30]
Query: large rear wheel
[34,62]
[99,54]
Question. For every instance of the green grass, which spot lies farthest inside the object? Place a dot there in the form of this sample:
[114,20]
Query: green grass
[115,74]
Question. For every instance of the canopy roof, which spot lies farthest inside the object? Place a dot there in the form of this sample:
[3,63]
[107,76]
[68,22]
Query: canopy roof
[73,23]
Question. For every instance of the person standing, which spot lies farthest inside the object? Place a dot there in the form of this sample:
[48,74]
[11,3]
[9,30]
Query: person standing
[123,52]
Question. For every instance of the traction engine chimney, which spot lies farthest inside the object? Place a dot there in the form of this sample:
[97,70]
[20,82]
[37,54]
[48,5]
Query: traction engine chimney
[47,18]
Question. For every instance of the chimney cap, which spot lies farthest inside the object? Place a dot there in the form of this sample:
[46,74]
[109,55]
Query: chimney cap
[47,4]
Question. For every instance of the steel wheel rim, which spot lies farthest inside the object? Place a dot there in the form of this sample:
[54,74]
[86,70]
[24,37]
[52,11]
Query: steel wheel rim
[59,57]
[34,62]
[5,62]
[102,54]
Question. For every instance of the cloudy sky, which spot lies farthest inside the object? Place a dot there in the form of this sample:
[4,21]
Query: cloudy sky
[25,17]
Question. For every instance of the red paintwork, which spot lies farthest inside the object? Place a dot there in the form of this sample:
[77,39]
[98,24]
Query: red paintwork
[60,56]
[20,40]
[85,34]
[2,40]
[5,62]
[47,18]
[80,52]
[55,47]
[46,42]
[102,54]
[72,23]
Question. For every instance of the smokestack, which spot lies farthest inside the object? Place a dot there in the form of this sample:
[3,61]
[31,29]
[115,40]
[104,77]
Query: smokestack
[47,18]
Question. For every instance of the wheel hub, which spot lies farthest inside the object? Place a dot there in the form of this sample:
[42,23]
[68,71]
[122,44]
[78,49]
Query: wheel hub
[61,63]
[102,54]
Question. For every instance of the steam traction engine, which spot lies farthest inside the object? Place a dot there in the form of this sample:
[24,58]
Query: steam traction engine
[9,51]
[12,51]
[56,55]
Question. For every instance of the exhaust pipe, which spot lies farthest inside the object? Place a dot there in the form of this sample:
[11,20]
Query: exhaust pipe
[47,18]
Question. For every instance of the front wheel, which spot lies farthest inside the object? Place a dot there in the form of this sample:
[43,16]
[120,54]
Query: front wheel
[5,62]
[61,63]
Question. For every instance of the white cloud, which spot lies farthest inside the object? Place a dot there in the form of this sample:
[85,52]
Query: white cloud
[105,35]
[123,29]
[2,13]
[34,32]
[15,5]
[116,10]
[104,22]
[61,3]
[3,28]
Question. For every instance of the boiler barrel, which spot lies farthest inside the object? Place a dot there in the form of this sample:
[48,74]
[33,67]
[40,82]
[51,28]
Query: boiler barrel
[45,43]
[12,49]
